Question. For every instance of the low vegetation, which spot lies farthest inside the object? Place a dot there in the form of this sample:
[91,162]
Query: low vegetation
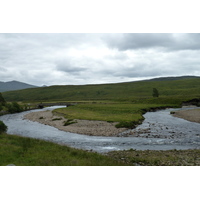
[12,107]
[126,114]
[22,151]
[123,103]
[69,121]
[158,158]
[170,91]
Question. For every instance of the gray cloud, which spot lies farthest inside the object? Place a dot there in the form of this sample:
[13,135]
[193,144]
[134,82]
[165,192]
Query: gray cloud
[69,67]
[49,59]
[165,41]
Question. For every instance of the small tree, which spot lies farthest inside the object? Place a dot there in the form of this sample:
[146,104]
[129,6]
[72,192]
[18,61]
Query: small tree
[155,92]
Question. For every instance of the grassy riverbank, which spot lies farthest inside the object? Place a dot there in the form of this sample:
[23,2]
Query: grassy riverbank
[158,158]
[127,114]
[32,152]
[22,151]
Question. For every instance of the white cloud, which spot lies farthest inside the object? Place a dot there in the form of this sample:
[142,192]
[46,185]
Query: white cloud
[49,59]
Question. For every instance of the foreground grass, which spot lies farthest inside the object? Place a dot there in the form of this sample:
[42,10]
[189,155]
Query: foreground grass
[126,114]
[158,158]
[32,152]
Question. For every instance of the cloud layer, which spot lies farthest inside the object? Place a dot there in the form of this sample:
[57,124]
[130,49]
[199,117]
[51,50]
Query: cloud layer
[55,59]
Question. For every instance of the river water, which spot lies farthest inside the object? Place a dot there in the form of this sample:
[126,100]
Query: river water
[159,131]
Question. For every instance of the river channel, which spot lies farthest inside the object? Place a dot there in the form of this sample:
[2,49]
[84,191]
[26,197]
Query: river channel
[159,131]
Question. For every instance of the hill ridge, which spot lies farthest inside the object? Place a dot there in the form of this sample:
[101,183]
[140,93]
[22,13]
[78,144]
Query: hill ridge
[14,85]
[171,78]
[184,89]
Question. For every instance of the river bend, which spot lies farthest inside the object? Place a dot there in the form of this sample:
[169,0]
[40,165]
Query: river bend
[159,131]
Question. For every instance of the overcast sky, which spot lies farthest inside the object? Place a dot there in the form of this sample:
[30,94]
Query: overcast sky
[76,59]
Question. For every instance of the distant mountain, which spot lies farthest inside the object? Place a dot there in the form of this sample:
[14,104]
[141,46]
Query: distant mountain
[173,78]
[14,85]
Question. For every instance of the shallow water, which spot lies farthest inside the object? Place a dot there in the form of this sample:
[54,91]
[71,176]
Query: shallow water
[159,131]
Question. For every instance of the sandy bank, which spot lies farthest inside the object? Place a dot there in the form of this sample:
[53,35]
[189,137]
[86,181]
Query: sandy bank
[190,115]
[86,127]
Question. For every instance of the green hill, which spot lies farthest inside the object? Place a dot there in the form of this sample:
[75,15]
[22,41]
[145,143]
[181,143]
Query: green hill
[177,89]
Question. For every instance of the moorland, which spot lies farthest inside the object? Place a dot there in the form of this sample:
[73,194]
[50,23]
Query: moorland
[124,103]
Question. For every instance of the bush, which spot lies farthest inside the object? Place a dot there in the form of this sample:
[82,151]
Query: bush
[14,107]
[3,127]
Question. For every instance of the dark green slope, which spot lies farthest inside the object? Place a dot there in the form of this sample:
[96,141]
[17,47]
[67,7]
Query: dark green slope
[184,88]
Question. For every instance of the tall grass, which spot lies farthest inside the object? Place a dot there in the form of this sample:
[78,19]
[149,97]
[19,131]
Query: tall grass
[22,151]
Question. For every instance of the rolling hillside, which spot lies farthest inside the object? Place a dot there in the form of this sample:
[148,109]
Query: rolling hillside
[180,89]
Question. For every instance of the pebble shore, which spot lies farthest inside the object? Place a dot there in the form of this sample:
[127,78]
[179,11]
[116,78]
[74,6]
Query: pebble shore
[86,127]
[190,115]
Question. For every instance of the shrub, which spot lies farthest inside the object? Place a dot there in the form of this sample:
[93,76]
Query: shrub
[3,127]
[14,107]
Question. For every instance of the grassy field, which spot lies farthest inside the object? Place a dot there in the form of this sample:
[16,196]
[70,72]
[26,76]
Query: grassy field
[125,113]
[122,102]
[22,151]
[171,91]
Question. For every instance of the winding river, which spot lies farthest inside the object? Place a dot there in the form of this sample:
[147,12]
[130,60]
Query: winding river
[159,131]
